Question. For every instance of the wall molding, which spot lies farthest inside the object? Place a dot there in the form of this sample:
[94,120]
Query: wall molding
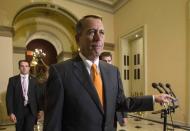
[109,46]
[19,50]
[6,31]
[107,6]
[64,54]
[22,50]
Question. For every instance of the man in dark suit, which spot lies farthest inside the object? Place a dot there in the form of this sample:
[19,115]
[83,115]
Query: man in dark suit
[22,99]
[74,99]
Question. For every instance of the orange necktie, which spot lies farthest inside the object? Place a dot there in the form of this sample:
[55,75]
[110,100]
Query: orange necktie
[97,81]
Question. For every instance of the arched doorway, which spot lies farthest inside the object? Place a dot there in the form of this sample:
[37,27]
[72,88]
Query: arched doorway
[47,48]
[47,22]
[43,54]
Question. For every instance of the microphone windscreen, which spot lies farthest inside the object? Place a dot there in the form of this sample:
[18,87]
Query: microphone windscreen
[167,85]
[160,84]
[154,85]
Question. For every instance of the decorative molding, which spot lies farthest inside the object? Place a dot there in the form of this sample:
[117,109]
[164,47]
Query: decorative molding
[22,50]
[109,46]
[64,54]
[42,5]
[6,31]
[104,5]
[67,54]
[19,50]
[119,4]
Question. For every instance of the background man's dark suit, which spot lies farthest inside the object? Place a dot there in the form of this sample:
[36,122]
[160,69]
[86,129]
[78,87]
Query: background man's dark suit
[73,103]
[15,99]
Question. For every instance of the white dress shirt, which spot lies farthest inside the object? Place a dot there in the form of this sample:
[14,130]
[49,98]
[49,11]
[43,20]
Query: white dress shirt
[89,63]
[25,87]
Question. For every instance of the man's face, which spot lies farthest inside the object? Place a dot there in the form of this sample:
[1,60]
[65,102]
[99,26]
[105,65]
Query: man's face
[91,38]
[107,59]
[24,68]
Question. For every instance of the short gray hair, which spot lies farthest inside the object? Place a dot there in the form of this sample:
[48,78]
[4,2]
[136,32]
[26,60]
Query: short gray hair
[79,25]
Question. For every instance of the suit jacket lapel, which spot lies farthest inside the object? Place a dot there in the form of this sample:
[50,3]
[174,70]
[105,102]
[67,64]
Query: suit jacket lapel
[18,85]
[29,85]
[108,91]
[18,82]
[83,76]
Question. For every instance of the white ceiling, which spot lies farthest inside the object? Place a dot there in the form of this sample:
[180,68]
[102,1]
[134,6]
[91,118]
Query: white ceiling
[105,5]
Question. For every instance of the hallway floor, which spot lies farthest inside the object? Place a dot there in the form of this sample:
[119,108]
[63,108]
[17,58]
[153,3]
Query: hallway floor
[132,125]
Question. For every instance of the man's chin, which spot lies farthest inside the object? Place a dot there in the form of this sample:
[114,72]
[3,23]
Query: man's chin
[97,53]
[94,56]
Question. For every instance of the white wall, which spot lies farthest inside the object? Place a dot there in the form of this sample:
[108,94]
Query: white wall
[166,42]
[188,58]
[6,69]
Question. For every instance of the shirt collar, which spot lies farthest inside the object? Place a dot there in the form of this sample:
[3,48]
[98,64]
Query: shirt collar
[24,75]
[89,63]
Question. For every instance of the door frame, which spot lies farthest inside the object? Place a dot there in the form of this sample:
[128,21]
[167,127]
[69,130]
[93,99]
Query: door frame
[123,39]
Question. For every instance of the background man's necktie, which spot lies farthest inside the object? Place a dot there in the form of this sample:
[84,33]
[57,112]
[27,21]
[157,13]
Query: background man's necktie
[24,90]
[97,81]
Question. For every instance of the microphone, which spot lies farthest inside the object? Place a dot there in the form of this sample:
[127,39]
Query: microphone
[175,102]
[168,86]
[155,86]
[162,86]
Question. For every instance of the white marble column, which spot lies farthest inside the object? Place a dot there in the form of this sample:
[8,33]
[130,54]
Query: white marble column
[6,66]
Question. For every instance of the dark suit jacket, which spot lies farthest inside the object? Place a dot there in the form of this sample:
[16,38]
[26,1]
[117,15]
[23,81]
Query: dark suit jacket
[72,103]
[120,116]
[15,99]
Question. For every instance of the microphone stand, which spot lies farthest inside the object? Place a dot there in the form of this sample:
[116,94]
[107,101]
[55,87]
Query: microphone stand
[168,109]
[164,114]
